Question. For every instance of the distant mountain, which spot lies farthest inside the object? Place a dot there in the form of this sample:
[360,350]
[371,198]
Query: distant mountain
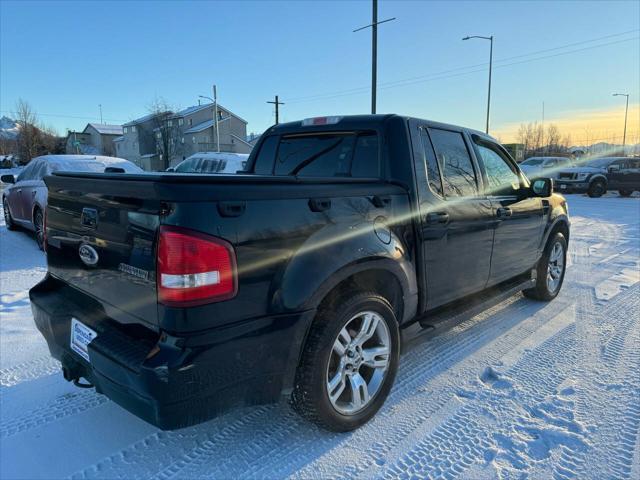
[8,128]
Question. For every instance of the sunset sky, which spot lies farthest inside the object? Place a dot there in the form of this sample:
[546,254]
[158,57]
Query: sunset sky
[66,59]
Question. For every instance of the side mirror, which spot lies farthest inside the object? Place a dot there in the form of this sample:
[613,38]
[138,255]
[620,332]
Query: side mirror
[8,179]
[171,169]
[542,187]
[614,168]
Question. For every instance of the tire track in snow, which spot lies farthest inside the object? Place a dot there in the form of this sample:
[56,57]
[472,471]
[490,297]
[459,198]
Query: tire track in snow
[484,424]
[30,370]
[63,406]
[173,450]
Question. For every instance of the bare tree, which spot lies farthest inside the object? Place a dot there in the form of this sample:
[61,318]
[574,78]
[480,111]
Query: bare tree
[165,131]
[29,136]
[553,137]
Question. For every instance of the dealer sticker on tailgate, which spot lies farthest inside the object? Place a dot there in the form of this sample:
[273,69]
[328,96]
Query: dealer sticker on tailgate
[81,336]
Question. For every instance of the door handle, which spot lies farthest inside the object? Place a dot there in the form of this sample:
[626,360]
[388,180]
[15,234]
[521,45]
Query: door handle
[503,212]
[437,217]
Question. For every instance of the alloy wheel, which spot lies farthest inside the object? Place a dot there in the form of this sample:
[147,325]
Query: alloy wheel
[358,363]
[5,210]
[555,267]
[38,221]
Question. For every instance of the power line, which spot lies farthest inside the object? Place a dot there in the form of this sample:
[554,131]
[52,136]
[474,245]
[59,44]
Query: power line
[59,115]
[442,74]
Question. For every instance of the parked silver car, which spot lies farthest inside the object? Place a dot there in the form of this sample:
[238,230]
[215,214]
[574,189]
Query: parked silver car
[25,199]
[544,167]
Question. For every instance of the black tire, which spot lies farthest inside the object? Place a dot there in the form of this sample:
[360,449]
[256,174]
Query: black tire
[625,193]
[542,290]
[597,188]
[8,220]
[310,396]
[38,224]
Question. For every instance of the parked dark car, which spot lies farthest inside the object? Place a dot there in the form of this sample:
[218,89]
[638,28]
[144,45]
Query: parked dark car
[346,236]
[25,199]
[587,177]
[624,175]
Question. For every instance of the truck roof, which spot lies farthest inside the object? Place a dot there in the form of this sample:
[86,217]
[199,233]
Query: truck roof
[358,122]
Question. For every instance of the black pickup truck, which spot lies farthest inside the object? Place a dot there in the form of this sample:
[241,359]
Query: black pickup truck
[180,295]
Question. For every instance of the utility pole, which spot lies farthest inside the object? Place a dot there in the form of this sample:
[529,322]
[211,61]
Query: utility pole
[277,103]
[626,111]
[374,50]
[490,70]
[543,145]
[100,106]
[215,113]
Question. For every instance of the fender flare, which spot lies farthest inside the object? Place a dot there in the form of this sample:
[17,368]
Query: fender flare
[558,220]
[406,279]
[599,176]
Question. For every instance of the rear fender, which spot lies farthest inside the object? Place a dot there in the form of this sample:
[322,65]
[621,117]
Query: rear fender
[330,256]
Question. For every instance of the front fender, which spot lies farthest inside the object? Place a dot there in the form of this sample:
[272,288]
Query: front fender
[558,216]
[335,253]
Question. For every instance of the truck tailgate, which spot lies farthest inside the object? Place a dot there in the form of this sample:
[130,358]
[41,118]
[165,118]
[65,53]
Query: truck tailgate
[105,244]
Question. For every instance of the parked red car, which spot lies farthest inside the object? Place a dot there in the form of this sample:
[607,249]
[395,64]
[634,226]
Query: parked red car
[25,199]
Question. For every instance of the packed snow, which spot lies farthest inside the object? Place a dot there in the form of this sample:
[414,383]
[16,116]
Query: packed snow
[524,390]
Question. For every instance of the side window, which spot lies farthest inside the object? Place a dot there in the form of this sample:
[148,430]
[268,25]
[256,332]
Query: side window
[431,164]
[503,179]
[263,163]
[455,163]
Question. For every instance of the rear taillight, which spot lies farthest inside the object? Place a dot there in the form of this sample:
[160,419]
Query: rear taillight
[194,268]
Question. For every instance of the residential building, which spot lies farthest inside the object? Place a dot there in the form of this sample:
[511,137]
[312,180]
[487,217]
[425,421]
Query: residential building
[193,130]
[95,139]
[138,142]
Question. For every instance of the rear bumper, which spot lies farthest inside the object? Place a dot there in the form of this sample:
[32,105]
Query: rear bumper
[170,381]
[562,186]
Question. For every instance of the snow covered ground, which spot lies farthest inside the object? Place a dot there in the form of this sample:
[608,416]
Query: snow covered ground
[526,390]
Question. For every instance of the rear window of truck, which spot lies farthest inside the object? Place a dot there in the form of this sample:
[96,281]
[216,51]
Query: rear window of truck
[320,155]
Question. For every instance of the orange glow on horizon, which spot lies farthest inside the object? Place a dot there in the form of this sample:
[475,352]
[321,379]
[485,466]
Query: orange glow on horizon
[586,127]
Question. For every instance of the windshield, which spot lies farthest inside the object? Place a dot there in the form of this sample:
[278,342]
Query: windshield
[532,161]
[201,165]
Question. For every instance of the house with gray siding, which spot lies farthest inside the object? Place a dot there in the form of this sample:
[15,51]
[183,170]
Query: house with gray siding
[194,130]
[95,139]
[138,141]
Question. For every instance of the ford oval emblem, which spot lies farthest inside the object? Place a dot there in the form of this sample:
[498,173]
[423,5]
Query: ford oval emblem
[88,255]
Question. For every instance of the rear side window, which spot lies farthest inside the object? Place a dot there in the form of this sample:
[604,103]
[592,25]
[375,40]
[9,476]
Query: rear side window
[455,163]
[320,155]
[431,164]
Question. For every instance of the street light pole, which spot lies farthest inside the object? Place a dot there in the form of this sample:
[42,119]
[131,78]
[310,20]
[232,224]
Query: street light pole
[490,70]
[374,50]
[626,111]
[214,100]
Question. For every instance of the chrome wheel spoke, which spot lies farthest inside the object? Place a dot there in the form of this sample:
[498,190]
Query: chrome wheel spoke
[376,357]
[359,391]
[336,385]
[367,328]
[342,342]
